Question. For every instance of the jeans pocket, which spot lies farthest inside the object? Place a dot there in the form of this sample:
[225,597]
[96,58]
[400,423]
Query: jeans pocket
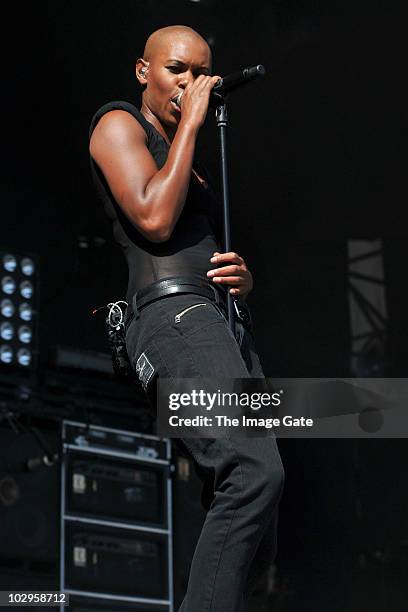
[192,314]
[177,317]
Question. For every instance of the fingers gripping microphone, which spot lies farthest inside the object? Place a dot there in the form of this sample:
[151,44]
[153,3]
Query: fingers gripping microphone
[229,83]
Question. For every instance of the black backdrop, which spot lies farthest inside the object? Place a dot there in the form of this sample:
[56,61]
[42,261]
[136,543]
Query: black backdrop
[315,155]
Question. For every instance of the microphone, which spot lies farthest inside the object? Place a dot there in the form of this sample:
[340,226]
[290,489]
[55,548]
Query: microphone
[237,79]
[229,83]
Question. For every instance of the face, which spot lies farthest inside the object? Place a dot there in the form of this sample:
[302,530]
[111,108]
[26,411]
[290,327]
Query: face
[177,62]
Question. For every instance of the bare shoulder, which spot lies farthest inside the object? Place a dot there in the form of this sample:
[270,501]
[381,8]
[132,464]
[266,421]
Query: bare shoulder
[119,148]
[116,128]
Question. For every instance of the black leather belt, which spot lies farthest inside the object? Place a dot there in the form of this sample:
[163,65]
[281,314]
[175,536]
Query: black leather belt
[172,286]
[180,284]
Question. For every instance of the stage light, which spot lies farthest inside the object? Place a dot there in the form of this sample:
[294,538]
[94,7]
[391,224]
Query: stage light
[7,308]
[6,353]
[9,262]
[6,331]
[26,289]
[24,334]
[8,285]
[25,311]
[27,266]
[24,357]
[18,310]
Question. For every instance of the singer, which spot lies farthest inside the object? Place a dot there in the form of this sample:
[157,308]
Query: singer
[166,219]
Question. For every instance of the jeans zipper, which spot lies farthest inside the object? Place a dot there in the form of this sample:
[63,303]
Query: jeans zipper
[183,312]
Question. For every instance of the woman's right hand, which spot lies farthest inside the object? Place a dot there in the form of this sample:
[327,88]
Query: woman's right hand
[195,100]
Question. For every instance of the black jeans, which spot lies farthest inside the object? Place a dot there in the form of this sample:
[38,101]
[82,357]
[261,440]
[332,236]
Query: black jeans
[243,478]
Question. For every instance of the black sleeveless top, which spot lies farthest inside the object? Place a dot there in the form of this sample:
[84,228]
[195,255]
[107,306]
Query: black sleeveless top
[196,235]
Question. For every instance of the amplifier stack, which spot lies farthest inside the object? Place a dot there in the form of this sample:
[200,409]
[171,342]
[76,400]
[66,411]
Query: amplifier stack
[116,509]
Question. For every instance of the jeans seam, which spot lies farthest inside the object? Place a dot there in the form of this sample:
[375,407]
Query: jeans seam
[230,524]
[156,346]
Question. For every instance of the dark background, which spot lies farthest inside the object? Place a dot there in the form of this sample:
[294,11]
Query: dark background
[317,155]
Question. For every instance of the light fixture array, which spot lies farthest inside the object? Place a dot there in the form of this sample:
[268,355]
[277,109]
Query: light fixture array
[18,312]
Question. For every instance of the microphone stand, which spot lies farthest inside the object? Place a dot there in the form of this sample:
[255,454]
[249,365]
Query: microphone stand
[222,124]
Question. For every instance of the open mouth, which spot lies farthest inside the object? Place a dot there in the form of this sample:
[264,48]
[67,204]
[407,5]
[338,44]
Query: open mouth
[175,100]
[175,106]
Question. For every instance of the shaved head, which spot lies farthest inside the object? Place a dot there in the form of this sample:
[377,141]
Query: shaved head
[161,38]
[173,58]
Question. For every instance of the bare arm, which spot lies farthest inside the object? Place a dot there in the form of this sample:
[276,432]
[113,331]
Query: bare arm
[152,199]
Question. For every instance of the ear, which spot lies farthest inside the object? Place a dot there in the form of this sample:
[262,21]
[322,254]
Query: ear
[142,68]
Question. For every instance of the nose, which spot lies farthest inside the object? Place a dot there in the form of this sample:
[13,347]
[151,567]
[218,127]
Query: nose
[185,79]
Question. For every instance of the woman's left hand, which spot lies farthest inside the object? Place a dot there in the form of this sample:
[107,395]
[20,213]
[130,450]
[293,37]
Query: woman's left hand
[235,273]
